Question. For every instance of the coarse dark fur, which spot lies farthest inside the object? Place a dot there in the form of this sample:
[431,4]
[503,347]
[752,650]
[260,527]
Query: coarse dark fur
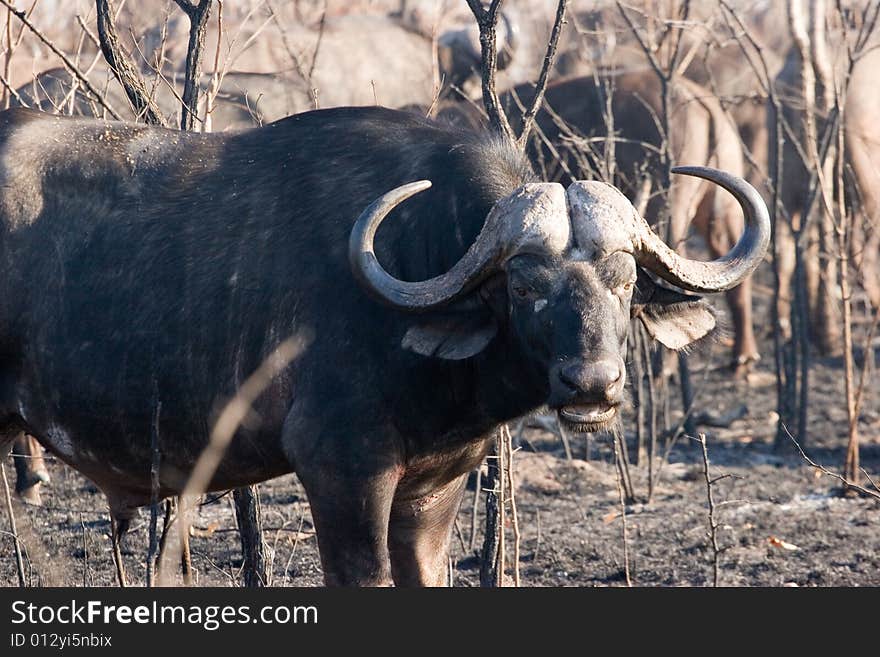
[148,272]
[249,213]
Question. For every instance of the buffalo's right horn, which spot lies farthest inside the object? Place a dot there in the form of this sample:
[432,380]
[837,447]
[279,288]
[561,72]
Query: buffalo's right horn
[474,266]
[532,217]
[726,272]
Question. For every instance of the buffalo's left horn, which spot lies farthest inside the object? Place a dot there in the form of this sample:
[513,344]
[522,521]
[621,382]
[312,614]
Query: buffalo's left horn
[727,271]
[417,295]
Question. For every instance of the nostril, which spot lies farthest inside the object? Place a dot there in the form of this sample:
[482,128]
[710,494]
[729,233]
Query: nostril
[614,374]
[570,376]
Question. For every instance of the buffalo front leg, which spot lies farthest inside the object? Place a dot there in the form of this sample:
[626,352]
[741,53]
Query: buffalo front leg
[350,511]
[723,227]
[420,533]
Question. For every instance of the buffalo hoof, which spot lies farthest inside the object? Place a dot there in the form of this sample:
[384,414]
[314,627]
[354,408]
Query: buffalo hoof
[41,476]
[31,495]
[744,365]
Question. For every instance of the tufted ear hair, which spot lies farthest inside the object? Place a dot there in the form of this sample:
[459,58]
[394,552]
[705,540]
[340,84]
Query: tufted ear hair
[673,318]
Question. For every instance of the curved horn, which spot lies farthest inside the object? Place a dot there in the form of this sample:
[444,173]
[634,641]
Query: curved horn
[727,271]
[421,295]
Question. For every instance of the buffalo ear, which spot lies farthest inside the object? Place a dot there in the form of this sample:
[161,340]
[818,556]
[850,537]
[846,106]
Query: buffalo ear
[465,328]
[451,337]
[674,319]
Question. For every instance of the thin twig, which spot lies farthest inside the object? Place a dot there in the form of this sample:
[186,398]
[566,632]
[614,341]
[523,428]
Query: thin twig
[622,500]
[116,540]
[821,468]
[713,523]
[69,65]
[12,91]
[153,544]
[19,563]
[82,524]
[302,515]
[472,545]
[501,448]
[228,422]
[514,519]
[12,45]
[528,116]
[321,25]
[216,74]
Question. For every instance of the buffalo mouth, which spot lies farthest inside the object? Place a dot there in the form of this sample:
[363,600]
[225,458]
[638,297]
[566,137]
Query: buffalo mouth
[587,418]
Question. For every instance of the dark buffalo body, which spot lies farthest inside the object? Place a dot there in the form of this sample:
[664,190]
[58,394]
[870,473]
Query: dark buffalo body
[169,265]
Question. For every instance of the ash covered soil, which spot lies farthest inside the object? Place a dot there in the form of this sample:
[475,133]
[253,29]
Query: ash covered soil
[781,522]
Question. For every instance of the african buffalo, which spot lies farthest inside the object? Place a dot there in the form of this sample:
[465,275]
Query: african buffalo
[244,99]
[861,179]
[148,272]
[362,59]
[708,55]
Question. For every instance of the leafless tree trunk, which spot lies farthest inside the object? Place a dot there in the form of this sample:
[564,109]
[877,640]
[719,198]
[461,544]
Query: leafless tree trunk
[122,67]
[827,320]
[198,15]
[487,21]
[660,40]
[155,464]
[250,528]
[489,563]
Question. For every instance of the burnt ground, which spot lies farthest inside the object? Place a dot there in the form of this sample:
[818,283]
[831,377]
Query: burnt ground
[781,523]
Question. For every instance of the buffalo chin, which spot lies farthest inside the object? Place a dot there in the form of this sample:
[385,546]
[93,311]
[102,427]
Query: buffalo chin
[586,418]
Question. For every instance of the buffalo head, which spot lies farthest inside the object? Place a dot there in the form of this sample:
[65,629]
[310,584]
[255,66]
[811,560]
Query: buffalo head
[459,52]
[564,271]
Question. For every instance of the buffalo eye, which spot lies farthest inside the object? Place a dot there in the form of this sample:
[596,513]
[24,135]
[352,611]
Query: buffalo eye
[521,292]
[624,290]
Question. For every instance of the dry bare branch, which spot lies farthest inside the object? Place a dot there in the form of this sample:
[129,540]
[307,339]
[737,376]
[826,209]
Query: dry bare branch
[115,541]
[821,468]
[713,522]
[487,21]
[511,487]
[228,422]
[11,92]
[69,65]
[622,500]
[489,563]
[122,68]
[250,529]
[216,74]
[19,563]
[11,46]
[153,541]
[198,15]
[528,116]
